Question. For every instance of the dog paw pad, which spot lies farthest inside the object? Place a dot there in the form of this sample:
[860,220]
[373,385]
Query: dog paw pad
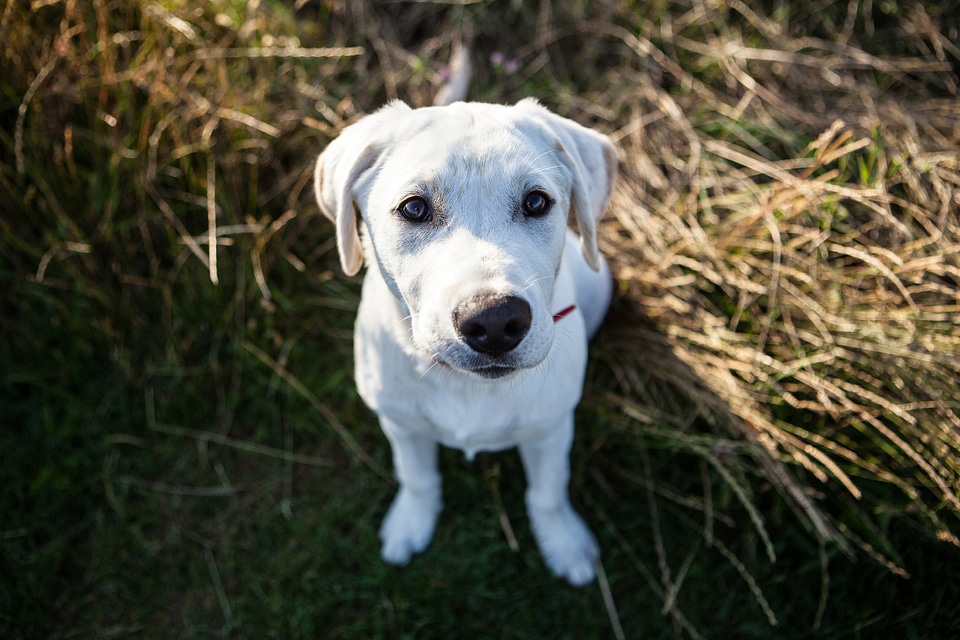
[408,526]
[567,545]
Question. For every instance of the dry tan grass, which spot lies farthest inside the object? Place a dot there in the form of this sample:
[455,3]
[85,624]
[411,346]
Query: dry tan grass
[810,302]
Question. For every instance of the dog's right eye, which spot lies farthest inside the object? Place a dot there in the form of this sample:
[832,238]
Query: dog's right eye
[415,209]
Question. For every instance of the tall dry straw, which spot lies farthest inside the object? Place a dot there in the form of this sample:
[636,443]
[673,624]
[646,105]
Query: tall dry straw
[807,301]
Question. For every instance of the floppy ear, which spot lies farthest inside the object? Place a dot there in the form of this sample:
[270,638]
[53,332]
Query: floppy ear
[592,160]
[339,167]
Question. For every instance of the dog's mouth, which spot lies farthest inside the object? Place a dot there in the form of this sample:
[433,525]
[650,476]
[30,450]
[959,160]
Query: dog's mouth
[493,372]
[486,372]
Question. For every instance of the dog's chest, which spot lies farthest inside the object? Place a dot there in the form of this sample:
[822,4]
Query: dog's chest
[483,419]
[473,417]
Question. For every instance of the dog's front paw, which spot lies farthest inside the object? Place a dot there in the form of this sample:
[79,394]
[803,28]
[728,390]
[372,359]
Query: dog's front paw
[408,526]
[566,543]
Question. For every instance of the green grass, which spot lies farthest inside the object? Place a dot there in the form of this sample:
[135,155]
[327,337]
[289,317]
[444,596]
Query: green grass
[180,458]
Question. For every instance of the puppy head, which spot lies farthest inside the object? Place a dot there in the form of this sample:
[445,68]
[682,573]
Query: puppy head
[464,209]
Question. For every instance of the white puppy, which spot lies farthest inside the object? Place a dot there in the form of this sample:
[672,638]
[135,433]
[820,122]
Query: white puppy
[477,303]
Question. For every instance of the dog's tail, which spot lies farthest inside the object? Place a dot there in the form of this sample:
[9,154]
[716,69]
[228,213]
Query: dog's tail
[458,77]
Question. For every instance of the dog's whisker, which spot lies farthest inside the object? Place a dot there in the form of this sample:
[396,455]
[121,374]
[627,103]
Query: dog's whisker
[534,160]
[535,170]
[433,363]
[544,170]
[531,281]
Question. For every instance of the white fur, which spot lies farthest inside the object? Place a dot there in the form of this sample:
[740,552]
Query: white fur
[474,164]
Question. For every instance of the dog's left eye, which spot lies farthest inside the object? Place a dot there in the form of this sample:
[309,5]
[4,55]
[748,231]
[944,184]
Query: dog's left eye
[415,209]
[536,203]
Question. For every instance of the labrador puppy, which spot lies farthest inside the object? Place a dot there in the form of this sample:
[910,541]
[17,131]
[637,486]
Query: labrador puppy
[478,301]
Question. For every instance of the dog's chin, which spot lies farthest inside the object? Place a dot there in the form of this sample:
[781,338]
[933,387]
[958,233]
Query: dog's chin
[476,366]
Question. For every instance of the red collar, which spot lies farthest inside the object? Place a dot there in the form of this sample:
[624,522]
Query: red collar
[563,313]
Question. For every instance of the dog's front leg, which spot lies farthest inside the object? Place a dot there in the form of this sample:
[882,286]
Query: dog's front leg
[408,526]
[565,542]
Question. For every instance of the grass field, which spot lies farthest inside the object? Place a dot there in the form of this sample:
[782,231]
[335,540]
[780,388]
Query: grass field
[769,442]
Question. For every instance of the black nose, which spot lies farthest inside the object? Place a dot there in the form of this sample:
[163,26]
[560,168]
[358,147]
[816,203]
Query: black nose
[492,325]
